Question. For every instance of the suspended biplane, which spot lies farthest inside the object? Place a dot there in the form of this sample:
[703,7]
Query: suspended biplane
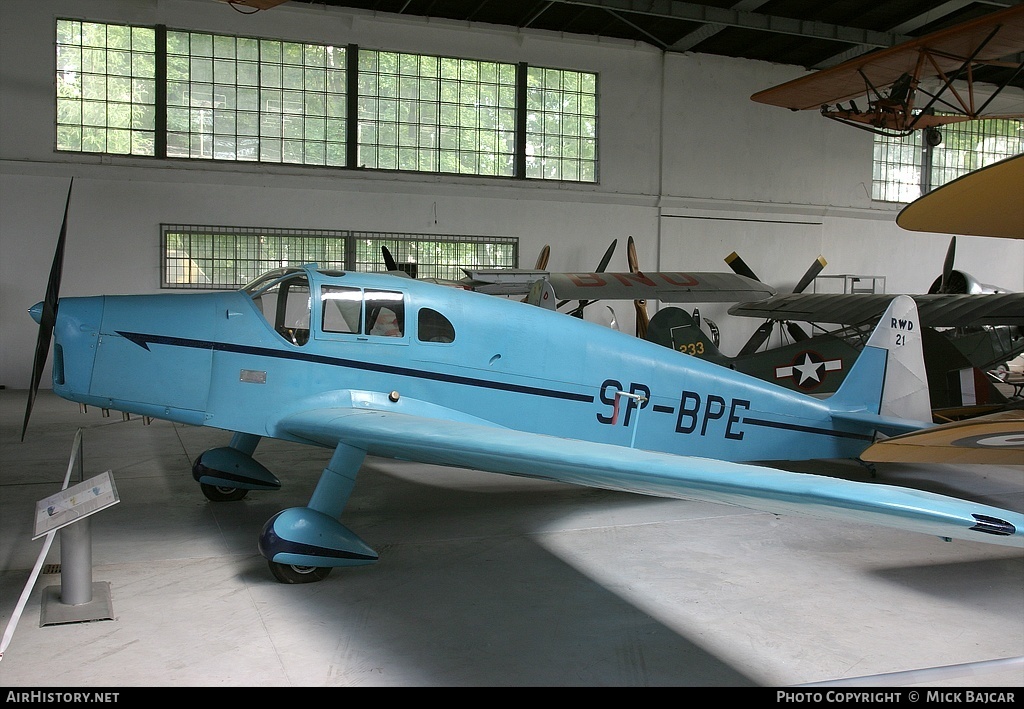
[462,379]
[921,84]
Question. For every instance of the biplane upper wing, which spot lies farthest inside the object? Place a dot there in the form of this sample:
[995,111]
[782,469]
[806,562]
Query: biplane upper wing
[436,438]
[946,55]
[935,309]
[985,202]
[992,439]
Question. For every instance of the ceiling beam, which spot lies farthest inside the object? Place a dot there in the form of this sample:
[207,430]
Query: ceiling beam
[915,23]
[732,17]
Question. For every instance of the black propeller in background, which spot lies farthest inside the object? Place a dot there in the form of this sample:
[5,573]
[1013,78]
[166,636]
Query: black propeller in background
[601,267]
[48,316]
[762,333]
[944,283]
[389,260]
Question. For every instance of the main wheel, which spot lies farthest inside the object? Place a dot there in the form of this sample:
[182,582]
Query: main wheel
[216,493]
[287,573]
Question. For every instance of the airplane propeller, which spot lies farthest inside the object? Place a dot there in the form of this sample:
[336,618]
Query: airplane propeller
[947,269]
[642,319]
[577,312]
[542,258]
[47,316]
[389,260]
[762,333]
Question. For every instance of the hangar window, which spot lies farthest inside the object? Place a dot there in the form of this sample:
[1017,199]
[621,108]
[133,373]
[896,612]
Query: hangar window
[106,89]
[239,98]
[561,125]
[166,93]
[906,168]
[436,114]
[221,257]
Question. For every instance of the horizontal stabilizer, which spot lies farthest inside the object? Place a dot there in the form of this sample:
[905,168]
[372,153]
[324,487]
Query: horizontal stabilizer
[993,439]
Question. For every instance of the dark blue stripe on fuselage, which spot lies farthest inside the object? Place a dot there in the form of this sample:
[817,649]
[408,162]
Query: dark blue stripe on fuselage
[144,340]
[807,429]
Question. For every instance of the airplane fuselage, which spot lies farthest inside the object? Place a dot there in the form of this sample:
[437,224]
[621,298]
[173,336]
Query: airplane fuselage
[233,361]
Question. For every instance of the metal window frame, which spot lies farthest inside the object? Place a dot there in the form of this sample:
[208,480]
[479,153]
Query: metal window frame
[556,154]
[229,257]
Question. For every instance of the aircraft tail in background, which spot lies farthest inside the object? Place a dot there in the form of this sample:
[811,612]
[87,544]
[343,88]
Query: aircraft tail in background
[675,328]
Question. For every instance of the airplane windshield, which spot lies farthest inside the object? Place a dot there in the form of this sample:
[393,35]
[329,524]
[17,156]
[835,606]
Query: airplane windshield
[268,280]
[282,296]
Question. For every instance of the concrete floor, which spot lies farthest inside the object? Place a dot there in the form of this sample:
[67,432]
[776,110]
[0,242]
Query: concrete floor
[487,580]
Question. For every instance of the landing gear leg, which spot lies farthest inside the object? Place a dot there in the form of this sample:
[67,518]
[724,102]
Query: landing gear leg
[303,544]
[227,474]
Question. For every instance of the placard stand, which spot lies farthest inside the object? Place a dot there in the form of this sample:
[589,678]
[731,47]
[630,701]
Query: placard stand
[77,599]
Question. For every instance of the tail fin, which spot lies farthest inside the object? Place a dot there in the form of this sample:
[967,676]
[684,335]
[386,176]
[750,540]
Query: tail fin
[674,327]
[888,382]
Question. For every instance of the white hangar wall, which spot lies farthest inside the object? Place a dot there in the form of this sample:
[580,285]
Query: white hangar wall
[689,167]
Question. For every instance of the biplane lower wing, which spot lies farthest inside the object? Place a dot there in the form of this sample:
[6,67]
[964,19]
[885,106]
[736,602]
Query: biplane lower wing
[668,287]
[992,439]
[985,202]
[936,309]
[443,441]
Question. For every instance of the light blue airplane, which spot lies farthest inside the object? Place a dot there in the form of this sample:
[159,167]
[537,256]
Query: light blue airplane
[374,364]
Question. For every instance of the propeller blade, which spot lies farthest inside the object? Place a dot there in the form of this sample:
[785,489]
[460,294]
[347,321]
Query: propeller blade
[947,266]
[759,337]
[812,273]
[542,258]
[389,260]
[796,332]
[642,318]
[739,267]
[48,317]
[607,257]
[578,312]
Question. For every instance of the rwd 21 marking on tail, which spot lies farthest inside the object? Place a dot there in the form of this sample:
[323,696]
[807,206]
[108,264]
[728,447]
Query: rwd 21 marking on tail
[901,324]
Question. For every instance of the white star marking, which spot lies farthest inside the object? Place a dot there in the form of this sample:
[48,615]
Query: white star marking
[808,370]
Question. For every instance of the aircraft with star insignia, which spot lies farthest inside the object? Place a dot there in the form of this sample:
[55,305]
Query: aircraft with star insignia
[969,329]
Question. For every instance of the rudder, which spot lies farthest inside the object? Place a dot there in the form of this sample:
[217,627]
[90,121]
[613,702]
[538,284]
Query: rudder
[889,377]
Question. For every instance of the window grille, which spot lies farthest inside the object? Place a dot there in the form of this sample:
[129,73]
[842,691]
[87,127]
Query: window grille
[165,93]
[219,257]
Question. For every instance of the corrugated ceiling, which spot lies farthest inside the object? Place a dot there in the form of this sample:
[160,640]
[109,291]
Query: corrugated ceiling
[810,33]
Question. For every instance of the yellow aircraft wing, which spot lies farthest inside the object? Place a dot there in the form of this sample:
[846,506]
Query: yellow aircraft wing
[993,439]
[986,202]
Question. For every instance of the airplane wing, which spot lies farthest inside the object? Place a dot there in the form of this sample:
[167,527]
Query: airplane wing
[466,444]
[992,439]
[945,55]
[935,309]
[985,202]
[668,287]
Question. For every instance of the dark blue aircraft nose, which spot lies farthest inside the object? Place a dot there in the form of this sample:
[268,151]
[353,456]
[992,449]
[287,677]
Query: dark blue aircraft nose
[36,311]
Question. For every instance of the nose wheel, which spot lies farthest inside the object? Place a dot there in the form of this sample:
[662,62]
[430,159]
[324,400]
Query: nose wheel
[289,573]
[217,493]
